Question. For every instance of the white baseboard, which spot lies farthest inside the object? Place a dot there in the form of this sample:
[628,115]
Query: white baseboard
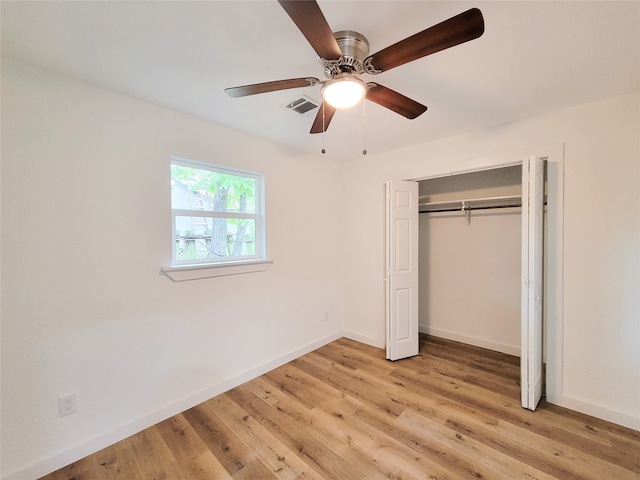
[599,412]
[84,449]
[477,342]
[363,339]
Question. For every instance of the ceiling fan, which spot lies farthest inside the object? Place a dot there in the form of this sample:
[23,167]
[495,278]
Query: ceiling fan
[345,56]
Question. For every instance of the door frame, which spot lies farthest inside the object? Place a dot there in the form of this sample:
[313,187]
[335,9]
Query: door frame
[553,255]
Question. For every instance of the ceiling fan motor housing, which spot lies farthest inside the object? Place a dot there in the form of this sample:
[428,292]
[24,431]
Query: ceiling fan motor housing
[354,47]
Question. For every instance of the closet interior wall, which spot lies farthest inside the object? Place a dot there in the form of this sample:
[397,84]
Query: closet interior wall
[470,263]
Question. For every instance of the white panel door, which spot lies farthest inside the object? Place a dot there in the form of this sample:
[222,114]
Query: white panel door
[401,269]
[532,242]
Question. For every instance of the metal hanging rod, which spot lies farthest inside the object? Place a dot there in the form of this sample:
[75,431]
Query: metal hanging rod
[471,204]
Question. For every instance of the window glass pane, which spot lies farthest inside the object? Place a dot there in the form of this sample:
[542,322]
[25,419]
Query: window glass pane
[214,238]
[202,189]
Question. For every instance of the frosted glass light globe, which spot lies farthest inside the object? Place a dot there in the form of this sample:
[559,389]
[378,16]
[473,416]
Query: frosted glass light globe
[344,92]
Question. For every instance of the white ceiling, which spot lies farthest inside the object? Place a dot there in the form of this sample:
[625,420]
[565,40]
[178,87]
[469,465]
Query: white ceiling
[534,57]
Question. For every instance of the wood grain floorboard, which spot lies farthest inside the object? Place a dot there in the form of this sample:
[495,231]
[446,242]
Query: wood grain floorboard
[344,412]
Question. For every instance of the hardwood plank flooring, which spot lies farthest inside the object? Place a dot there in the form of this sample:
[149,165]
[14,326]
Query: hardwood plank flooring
[344,412]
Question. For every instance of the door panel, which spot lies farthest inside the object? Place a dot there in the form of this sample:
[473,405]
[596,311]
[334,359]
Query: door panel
[532,243]
[401,269]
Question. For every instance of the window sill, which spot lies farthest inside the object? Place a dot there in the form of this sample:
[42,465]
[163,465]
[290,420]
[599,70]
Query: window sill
[182,273]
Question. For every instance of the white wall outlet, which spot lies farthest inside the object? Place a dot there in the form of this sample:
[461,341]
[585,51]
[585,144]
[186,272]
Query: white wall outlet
[68,404]
[326,316]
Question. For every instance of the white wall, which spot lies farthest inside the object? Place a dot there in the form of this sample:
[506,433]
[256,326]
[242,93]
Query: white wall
[85,231]
[600,367]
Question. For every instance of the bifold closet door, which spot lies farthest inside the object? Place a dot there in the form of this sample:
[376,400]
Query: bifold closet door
[401,219]
[532,249]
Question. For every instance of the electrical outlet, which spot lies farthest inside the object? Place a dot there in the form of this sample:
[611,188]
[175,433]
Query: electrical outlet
[68,404]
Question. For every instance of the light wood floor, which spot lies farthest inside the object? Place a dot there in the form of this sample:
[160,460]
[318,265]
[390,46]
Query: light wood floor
[344,412]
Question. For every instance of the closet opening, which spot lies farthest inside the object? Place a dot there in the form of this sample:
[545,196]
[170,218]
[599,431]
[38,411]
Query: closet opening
[470,258]
[476,268]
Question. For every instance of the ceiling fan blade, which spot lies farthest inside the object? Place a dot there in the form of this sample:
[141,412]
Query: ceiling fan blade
[308,17]
[323,118]
[394,101]
[459,29]
[245,90]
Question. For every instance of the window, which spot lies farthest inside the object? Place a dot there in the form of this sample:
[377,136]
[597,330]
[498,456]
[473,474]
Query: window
[217,214]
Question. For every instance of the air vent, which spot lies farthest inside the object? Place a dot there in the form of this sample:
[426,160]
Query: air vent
[301,105]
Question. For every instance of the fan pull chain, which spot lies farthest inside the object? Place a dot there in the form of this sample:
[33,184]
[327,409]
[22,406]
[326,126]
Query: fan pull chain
[364,127]
[324,130]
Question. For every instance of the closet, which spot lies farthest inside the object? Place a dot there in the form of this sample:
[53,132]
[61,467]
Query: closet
[470,258]
[464,261]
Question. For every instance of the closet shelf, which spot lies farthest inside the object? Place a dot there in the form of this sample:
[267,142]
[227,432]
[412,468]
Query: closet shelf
[471,204]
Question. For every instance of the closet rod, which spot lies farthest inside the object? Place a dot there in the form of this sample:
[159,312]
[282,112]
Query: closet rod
[471,204]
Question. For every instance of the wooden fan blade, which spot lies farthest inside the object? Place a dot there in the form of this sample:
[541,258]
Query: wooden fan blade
[394,101]
[459,29]
[323,118]
[245,90]
[309,19]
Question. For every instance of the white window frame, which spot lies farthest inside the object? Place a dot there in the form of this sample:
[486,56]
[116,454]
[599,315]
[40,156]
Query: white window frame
[211,267]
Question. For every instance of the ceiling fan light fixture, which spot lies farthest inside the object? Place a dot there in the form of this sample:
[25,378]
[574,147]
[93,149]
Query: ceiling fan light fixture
[344,91]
